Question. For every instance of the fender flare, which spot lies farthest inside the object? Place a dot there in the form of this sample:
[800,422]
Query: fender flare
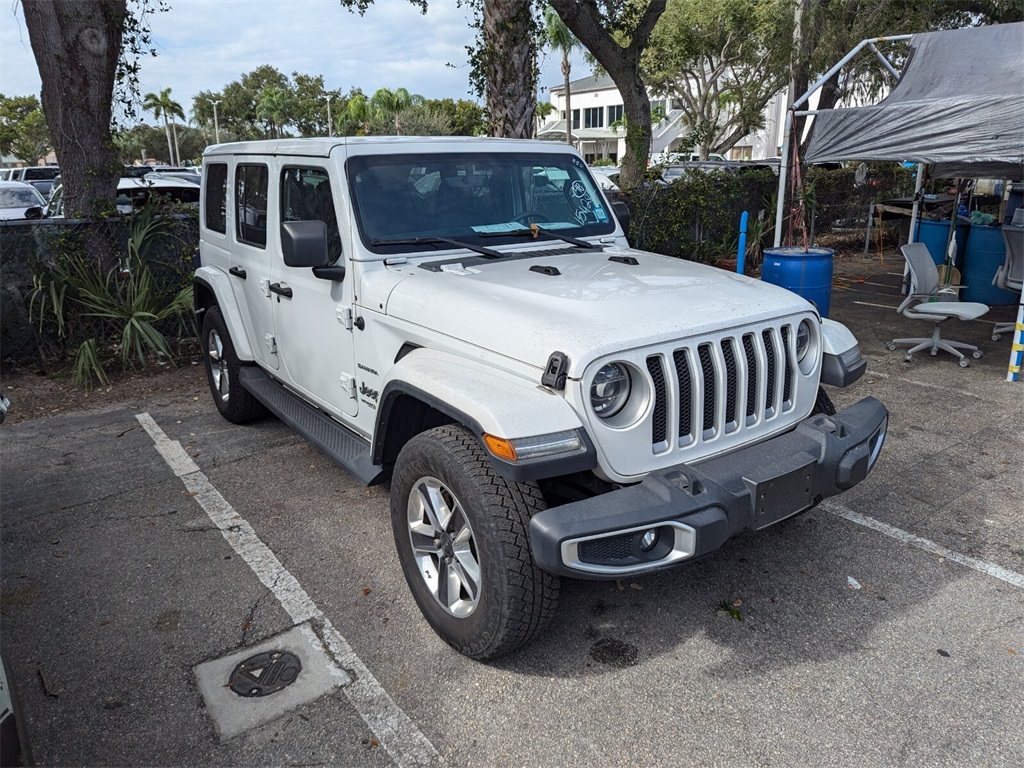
[488,400]
[219,284]
[842,362]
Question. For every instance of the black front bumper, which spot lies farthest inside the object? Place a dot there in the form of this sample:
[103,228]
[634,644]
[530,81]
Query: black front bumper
[694,509]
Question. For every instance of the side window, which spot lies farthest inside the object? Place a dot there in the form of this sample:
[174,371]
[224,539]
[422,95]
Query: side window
[251,204]
[216,197]
[306,196]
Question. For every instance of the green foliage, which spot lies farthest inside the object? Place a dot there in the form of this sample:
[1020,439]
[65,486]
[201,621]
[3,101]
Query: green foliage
[118,313]
[275,105]
[603,162]
[23,131]
[723,60]
[697,217]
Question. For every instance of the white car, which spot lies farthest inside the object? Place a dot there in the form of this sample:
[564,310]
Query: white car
[20,201]
[133,193]
[465,318]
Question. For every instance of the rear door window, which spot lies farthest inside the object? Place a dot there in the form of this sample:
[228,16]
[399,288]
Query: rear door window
[251,204]
[215,208]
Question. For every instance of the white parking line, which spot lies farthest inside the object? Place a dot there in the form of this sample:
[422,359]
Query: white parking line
[983,566]
[389,724]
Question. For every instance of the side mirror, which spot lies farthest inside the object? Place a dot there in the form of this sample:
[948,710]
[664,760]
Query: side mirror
[304,243]
[35,212]
[621,211]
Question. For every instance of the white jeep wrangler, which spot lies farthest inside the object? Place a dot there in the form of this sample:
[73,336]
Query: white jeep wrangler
[464,318]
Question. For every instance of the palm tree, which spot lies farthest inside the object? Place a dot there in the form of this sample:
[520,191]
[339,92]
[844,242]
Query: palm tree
[388,103]
[358,113]
[275,105]
[543,109]
[561,39]
[166,107]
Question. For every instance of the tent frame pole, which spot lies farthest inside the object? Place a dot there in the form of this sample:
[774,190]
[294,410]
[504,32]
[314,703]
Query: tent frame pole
[793,110]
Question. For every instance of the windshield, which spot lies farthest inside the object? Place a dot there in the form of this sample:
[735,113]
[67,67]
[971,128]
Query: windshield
[472,196]
[20,198]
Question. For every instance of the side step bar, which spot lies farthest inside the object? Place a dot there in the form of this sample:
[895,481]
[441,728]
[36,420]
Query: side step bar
[347,449]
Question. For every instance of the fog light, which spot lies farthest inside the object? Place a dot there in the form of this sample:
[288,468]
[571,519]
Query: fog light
[648,540]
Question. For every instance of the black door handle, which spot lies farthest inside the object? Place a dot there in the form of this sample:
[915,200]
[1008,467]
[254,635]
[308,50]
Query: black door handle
[237,272]
[281,290]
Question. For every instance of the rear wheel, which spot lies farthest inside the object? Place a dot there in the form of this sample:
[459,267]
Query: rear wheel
[462,533]
[235,402]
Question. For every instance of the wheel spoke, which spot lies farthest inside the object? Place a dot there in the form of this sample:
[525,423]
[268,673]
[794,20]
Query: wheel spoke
[468,571]
[423,543]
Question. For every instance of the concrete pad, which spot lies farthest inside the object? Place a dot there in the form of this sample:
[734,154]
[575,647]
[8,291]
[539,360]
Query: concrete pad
[234,714]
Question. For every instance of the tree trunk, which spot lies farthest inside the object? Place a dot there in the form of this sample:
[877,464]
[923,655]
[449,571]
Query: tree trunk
[77,45]
[170,145]
[510,61]
[566,69]
[177,149]
[622,64]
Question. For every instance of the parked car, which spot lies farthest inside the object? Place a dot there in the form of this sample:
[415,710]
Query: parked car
[133,194]
[465,318]
[603,176]
[19,200]
[191,176]
[39,176]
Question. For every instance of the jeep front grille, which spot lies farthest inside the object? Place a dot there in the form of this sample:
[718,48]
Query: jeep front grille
[714,388]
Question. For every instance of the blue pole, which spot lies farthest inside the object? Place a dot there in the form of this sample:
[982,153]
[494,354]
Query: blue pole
[742,251]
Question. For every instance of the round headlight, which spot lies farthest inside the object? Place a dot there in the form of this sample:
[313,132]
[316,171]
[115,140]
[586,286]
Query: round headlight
[803,340]
[610,390]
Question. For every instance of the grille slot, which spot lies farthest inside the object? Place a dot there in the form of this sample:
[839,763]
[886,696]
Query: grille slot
[748,350]
[787,380]
[731,385]
[769,350]
[686,404]
[659,423]
[707,368]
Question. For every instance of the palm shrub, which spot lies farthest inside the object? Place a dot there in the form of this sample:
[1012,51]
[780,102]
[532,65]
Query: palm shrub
[117,314]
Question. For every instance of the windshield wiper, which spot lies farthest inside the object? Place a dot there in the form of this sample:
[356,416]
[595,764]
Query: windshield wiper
[534,230]
[488,252]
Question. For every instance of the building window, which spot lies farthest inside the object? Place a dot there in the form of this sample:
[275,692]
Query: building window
[593,117]
[575,118]
[614,113]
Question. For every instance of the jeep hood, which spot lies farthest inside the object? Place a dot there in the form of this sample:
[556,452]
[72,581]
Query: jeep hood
[579,302]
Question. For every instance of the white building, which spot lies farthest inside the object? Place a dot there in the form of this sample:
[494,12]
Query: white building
[596,106]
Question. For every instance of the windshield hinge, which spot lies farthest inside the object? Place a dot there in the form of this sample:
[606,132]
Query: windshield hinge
[348,385]
[271,342]
[344,315]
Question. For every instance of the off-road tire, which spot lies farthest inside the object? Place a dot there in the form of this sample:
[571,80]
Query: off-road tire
[823,404]
[515,598]
[235,402]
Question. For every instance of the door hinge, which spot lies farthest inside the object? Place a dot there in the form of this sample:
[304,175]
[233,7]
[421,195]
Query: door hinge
[271,341]
[348,385]
[344,315]
[265,287]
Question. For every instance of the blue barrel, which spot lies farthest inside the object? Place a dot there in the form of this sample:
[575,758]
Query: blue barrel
[807,273]
[986,252]
[934,235]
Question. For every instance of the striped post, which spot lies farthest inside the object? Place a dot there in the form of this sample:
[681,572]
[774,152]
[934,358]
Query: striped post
[1017,350]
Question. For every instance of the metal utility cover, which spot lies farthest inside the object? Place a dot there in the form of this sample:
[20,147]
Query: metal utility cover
[234,714]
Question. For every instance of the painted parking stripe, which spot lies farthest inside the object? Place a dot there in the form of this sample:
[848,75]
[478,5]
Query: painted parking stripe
[389,724]
[983,566]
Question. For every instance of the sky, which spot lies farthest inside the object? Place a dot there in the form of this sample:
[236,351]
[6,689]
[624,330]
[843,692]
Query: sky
[202,45]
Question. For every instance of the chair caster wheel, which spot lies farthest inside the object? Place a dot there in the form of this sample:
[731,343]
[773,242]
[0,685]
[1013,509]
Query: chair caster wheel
[996,336]
[964,362]
[907,358]
[976,354]
[890,346]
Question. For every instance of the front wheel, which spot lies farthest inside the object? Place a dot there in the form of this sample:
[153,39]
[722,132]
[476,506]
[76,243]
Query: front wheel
[462,533]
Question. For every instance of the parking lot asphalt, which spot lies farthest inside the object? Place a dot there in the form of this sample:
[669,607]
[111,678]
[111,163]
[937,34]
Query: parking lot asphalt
[885,627]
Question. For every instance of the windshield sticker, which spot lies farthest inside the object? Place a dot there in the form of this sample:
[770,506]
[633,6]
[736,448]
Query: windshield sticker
[600,214]
[577,162]
[510,226]
[577,190]
[559,174]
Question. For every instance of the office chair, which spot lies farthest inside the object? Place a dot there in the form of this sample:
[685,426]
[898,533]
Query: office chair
[1010,276]
[920,304]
